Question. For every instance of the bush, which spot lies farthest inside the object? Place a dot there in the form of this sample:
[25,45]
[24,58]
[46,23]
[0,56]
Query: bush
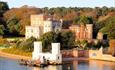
[26,45]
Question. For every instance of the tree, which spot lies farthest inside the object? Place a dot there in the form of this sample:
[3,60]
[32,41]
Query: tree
[3,8]
[13,25]
[83,44]
[2,29]
[104,11]
[26,45]
[83,20]
[47,39]
[109,28]
[22,15]
[65,38]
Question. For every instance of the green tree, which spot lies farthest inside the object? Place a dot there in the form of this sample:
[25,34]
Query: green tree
[83,44]
[22,15]
[26,45]
[47,39]
[2,29]
[83,20]
[13,25]
[109,28]
[3,8]
[65,38]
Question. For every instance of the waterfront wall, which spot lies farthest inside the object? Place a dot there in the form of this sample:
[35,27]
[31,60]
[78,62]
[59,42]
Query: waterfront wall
[98,54]
[91,54]
[75,53]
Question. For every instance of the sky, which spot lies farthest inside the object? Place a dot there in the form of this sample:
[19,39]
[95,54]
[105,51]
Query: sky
[60,3]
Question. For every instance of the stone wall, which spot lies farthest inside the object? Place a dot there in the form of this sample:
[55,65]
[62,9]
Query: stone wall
[82,31]
[75,53]
[98,54]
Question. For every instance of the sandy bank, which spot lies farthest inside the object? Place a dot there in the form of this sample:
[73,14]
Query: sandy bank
[13,56]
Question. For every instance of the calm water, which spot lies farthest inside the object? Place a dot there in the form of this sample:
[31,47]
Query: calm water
[9,64]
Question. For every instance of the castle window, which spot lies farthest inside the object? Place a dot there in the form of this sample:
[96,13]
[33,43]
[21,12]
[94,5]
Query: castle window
[58,57]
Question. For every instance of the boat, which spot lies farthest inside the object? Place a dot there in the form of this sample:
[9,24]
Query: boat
[32,63]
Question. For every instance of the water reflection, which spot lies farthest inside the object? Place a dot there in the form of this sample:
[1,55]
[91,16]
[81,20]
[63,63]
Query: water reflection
[89,65]
[49,68]
[8,64]
[101,65]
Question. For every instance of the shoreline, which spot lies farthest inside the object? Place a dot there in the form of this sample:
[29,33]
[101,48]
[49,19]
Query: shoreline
[13,56]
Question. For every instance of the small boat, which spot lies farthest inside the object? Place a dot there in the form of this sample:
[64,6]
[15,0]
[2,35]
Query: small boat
[32,63]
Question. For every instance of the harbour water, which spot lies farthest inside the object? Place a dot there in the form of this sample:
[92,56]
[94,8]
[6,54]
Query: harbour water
[11,64]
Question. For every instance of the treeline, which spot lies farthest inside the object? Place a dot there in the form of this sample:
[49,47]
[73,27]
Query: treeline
[13,21]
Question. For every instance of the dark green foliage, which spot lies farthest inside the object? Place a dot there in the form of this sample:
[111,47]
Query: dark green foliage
[13,25]
[3,7]
[97,45]
[47,39]
[26,45]
[109,28]
[69,15]
[83,20]
[66,38]
[2,29]
[82,45]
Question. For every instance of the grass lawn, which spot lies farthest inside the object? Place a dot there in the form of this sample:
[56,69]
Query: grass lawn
[16,51]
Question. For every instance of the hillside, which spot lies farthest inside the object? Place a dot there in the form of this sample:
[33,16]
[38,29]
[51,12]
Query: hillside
[14,20]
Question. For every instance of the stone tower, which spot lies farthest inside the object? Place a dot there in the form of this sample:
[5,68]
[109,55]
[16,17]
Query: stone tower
[89,31]
[37,20]
[82,31]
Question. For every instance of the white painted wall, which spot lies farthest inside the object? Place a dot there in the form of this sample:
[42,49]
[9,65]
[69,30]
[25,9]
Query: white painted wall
[55,48]
[32,31]
[47,26]
[55,56]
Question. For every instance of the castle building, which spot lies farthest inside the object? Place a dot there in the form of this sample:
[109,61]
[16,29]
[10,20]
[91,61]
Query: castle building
[41,24]
[53,56]
[82,31]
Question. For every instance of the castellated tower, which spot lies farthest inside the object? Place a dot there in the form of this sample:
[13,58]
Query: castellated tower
[37,50]
[89,31]
[82,31]
[77,34]
[57,57]
[38,20]
[55,48]
[54,56]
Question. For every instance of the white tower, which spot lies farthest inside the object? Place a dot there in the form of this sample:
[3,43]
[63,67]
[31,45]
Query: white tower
[55,48]
[37,50]
[57,56]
